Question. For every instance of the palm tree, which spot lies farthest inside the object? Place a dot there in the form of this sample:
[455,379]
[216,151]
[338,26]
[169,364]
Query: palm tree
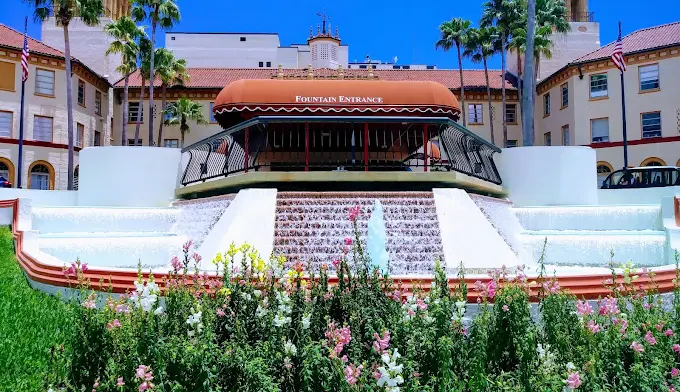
[125,33]
[479,46]
[455,32]
[89,12]
[144,71]
[500,13]
[172,72]
[182,111]
[160,12]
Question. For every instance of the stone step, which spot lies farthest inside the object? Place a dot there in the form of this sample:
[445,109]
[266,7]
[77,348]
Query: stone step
[356,195]
[336,249]
[344,210]
[329,216]
[102,219]
[347,225]
[344,232]
[323,240]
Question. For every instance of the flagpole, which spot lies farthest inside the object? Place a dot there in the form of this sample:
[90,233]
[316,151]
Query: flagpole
[21,119]
[623,111]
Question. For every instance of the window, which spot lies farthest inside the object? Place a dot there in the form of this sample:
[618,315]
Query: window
[97,138]
[547,139]
[133,112]
[81,93]
[167,115]
[44,82]
[599,130]
[131,142]
[269,64]
[212,115]
[98,102]
[475,113]
[6,124]
[649,77]
[80,135]
[511,143]
[603,171]
[429,67]
[7,76]
[42,128]
[651,125]
[598,86]
[546,105]
[405,67]
[172,38]
[171,143]
[565,95]
[4,171]
[511,113]
[40,177]
[261,64]
[566,138]
[242,39]
[76,175]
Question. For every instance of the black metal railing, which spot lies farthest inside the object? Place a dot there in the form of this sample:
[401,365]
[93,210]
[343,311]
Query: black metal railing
[581,17]
[333,143]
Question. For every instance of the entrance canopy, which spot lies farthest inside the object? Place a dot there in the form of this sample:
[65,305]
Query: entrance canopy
[244,99]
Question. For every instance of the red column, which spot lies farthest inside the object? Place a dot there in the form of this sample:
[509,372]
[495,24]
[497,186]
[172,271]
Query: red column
[306,147]
[425,140]
[677,211]
[245,148]
[365,146]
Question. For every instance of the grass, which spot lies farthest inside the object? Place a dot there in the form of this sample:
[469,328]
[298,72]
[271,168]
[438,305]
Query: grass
[31,324]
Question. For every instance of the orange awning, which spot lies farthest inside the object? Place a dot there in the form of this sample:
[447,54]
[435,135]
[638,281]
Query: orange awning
[273,96]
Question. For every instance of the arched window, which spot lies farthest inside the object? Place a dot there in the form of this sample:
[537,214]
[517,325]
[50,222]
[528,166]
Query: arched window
[7,170]
[677,163]
[41,176]
[604,169]
[653,161]
[76,174]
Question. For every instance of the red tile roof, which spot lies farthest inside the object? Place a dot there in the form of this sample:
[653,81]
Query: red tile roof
[639,41]
[15,40]
[220,77]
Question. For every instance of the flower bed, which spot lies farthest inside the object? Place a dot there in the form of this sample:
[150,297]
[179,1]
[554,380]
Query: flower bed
[258,328]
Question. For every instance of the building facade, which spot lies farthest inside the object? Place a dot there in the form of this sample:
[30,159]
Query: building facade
[581,103]
[45,150]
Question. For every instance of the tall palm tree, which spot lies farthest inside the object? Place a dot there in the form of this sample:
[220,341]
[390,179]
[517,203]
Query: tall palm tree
[160,12]
[172,72]
[89,12]
[455,33]
[126,34]
[479,47]
[144,72]
[182,111]
[500,13]
[529,77]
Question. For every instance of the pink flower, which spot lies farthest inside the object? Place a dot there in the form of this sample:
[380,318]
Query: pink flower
[70,271]
[491,289]
[352,373]
[573,380]
[650,338]
[89,304]
[354,213]
[583,308]
[609,306]
[220,313]
[197,258]
[337,338]
[348,241]
[422,305]
[669,332]
[675,372]
[336,263]
[624,326]
[122,308]
[381,344]
[120,382]
[551,286]
[676,348]
[176,264]
[505,308]
[114,324]
[376,374]
[187,246]
[144,386]
[141,370]
[83,267]
[594,328]
[637,347]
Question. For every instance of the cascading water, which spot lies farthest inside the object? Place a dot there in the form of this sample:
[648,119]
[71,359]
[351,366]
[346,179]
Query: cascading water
[312,227]
[500,215]
[197,217]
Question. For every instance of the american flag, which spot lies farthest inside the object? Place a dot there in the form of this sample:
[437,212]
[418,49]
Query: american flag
[24,58]
[617,56]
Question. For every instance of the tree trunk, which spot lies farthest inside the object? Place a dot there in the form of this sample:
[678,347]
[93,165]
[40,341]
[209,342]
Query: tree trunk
[463,109]
[152,78]
[488,93]
[124,120]
[140,111]
[182,132]
[537,61]
[520,84]
[160,128]
[528,98]
[503,66]
[69,106]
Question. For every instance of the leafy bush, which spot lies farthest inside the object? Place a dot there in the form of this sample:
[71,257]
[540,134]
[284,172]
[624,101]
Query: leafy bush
[255,326]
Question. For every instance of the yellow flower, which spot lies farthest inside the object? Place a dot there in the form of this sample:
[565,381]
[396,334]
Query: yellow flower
[233,250]
[303,283]
[225,291]
[218,259]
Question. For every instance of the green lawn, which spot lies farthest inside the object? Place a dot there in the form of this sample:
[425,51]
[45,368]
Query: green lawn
[31,323]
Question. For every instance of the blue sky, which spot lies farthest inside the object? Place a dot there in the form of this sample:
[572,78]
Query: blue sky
[406,29]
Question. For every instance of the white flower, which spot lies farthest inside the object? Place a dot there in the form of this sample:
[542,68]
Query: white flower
[246,296]
[280,320]
[195,321]
[257,293]
[390,374]
[429,319]
[570,366]
[260,311]
[145,295]
[290,349]
[158,310]
[306,321]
